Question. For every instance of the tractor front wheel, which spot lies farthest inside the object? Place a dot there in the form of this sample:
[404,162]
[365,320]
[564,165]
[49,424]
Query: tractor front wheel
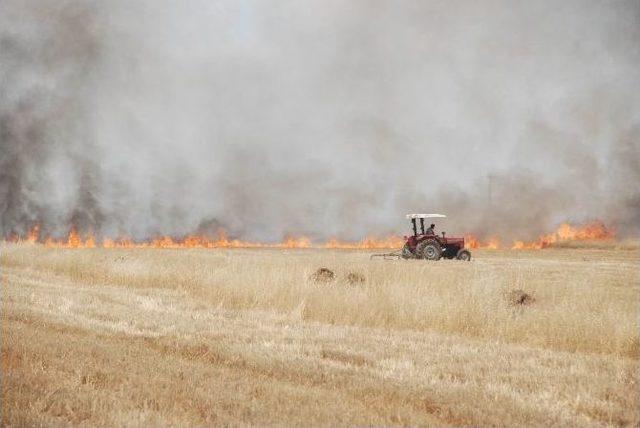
[429,249]
[464,255]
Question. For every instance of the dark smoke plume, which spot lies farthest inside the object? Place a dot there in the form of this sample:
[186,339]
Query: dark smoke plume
[321,118]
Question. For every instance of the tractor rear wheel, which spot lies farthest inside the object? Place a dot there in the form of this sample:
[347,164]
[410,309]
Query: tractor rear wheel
[429,249]
[464,255]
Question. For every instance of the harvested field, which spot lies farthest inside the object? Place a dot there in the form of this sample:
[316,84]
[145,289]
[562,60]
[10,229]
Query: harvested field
[190,337]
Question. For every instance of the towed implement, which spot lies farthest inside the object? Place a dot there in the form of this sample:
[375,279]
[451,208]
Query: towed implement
[427,244]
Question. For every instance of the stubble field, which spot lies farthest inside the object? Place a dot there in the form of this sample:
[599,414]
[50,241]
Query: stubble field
[104,337]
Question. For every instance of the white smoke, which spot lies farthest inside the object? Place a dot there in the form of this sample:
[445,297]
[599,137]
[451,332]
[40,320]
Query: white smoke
[322,118]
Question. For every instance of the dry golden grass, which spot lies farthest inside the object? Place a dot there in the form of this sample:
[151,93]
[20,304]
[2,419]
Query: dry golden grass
[626,244]
[193,337]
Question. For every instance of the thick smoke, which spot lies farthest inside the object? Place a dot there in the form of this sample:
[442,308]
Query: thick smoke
[324,118]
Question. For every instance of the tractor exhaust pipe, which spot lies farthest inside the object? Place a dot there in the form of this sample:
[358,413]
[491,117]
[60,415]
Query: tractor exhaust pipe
[415,227]
[422,225]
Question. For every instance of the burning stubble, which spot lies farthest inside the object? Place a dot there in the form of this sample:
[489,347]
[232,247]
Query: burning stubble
[320,119]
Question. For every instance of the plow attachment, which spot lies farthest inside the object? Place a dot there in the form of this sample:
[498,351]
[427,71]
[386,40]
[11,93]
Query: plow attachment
[396,255]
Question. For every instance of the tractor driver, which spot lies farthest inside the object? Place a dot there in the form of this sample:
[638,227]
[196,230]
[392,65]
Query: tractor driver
[431,230]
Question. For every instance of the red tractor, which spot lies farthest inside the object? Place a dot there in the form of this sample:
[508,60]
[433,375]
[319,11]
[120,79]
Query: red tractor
[429,246]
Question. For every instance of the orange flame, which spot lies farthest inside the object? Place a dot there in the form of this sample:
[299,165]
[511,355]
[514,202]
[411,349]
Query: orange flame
[34,234]
[472,243]
[74,240]
[595,231]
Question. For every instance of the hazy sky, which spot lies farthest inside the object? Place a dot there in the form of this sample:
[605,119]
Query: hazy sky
[325,118]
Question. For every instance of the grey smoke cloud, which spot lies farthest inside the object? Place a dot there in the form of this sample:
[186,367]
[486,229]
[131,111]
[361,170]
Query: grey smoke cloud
[323,118]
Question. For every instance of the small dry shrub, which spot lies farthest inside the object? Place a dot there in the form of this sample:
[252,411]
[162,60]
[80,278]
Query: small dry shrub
[323,274]
[354,278]
[519,298]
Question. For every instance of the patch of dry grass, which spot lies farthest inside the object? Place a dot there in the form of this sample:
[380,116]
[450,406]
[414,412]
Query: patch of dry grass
[183,337]
[627,244]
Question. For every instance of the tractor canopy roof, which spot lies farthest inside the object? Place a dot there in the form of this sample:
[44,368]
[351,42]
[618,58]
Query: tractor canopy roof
[412,216]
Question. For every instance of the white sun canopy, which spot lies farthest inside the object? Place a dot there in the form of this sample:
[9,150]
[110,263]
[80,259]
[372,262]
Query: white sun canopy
[411,216]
